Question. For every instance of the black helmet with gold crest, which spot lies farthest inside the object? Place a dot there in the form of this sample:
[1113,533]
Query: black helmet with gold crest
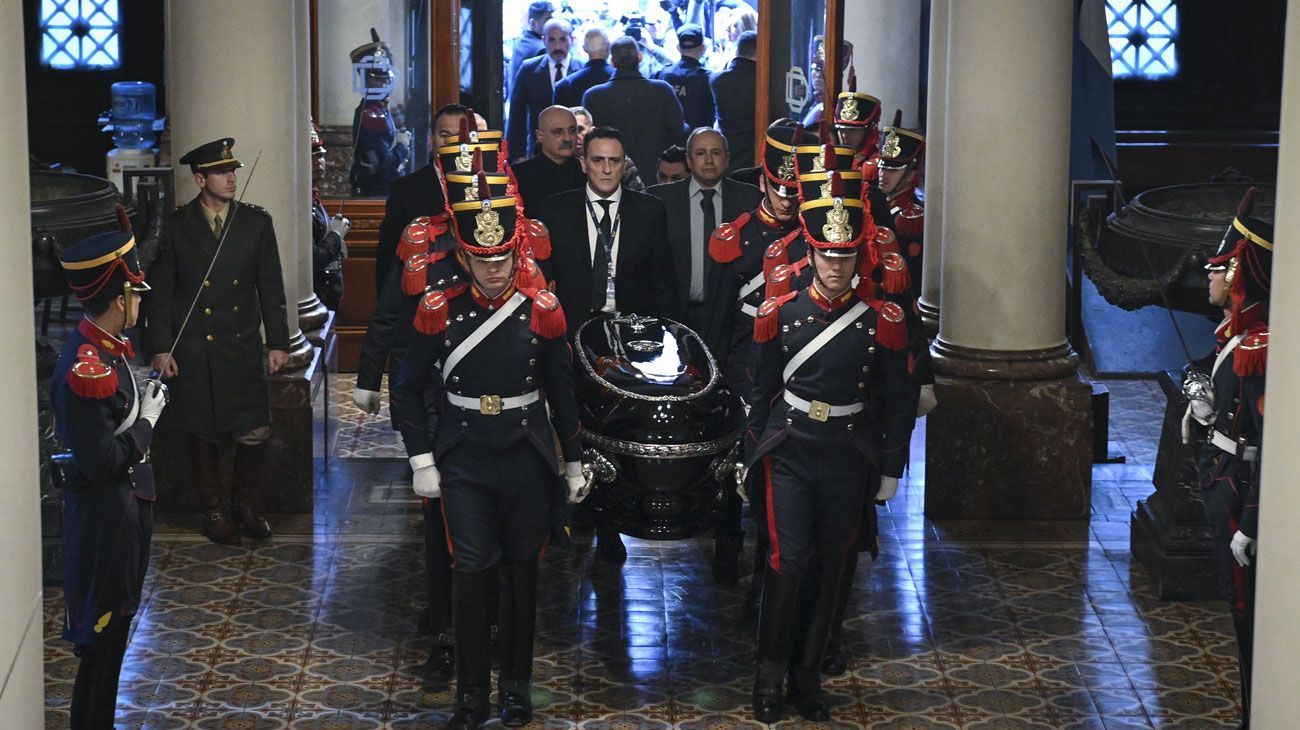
[838,225]
[902,146]
[458,155]
[486,226]
[854,108]
[1246,253]
[779,144]
[814,164]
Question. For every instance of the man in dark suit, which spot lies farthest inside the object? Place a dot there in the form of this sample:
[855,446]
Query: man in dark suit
[605,230]
[646,111]
[534,87]
[530,43]
[689,78]
[733,91]
[218,370]
[554,169]
[569,91]
[605,225]
[414,195]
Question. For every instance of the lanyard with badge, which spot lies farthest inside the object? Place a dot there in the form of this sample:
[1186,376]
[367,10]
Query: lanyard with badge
[606,241]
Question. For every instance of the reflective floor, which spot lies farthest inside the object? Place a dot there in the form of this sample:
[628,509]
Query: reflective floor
[955,626]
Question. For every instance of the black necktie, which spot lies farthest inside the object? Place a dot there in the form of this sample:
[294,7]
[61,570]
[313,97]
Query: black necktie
[600,261]
[559,74]
[697,251]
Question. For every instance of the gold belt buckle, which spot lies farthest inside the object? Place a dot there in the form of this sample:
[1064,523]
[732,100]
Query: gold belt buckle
[489,405]
[819,411]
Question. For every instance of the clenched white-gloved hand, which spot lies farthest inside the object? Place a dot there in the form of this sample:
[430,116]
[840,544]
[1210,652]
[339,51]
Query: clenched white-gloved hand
[1242,548]
[403,138]
[153,398]
[424,476]
[366,400]
[927,401]
[888,488]
[340,225]
[578,484]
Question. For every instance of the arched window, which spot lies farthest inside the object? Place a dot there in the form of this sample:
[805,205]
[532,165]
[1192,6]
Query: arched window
[1143,38]
[80,34]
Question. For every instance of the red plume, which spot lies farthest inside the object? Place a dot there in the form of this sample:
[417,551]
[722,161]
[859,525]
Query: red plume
[484,192]
[503,154]
[466,124]
[124,219]
[853,80]
[1247,202]
[824,131]
[478,160]
[837,185]
[830,160]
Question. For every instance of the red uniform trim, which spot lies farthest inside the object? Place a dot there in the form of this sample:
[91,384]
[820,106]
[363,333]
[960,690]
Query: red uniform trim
[773,559]
[446,530]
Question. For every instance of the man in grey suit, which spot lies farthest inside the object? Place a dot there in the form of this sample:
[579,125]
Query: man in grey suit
[696,206]
[646,111]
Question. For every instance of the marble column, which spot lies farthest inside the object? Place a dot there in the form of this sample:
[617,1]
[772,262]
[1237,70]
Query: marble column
[241,68]
[1277,595]
[312,313]
[21,617]
[1011,438]
[233,71]
[886,53]
[936,117]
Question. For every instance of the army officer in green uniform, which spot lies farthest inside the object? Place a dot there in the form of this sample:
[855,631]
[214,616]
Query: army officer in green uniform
[218,370]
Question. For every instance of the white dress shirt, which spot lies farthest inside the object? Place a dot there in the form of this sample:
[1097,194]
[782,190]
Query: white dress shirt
[617,198]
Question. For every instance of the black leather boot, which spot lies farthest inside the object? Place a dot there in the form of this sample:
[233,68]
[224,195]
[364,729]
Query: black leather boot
[749,610]
[775,626]
[819,600]
[806,694]
[247,479]
[471,614]
[726,551]
[609,546]
[436,617]
[835,662]
[1245,636]
[214,504]
[518,625]
[441,663]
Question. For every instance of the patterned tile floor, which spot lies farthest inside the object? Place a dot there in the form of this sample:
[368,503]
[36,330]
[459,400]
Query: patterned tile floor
[1042,625]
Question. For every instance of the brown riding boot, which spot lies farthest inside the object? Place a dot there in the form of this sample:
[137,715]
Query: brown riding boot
[248,475]
[214,515]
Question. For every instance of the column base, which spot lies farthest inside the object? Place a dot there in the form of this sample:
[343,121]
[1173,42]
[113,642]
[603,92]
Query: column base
[929,317]
[1168,532]
[312,313]
[288,476]
[1011,438]
[300,351]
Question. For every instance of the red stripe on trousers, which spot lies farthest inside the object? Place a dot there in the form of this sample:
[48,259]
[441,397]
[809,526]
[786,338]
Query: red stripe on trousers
[775,558]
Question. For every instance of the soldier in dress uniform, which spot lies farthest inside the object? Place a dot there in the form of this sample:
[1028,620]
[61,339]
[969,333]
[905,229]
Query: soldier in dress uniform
[857,126]
[494,359]
[831,398]
[382,151]
[107,421]
[328,247]
[218,371]
[735,291]
[902,158]
[428,262]
[1230,404]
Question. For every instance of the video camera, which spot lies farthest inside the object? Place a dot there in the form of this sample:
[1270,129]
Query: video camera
[632,24]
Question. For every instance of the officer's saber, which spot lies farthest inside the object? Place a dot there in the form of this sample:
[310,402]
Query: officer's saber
[157,374]
[1164,297]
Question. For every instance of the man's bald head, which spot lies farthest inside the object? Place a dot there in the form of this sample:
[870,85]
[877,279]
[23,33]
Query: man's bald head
[596,44]
[557,133]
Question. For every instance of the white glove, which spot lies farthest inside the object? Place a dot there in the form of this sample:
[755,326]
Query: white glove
[340,225]
[888,488]
[579,484]
[403,138]
[424,476]
[1242,548]
[927,401]
[152,401]
[366,400]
